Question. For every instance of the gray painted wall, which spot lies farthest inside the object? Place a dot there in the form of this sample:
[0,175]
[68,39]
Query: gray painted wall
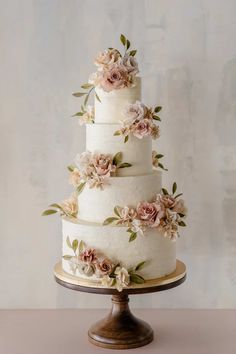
[187,56]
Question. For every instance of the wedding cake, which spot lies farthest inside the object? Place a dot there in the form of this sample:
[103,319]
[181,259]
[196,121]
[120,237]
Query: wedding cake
[119,227]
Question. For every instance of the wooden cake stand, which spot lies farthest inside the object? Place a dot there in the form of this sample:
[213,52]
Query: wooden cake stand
[121,329]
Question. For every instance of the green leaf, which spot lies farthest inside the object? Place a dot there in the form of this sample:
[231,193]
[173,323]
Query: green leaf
[140,265]
[110,220]
[157,118]
[81,246]
[113,282]
[75,245]
[49,212]
[116,211]
[68,242]
[86,86]
[86,100]
[159,156]
[117,132]
[129,230]
[165,192]
[174,187]
[67,257]
[55,205]
[97,97]
[78,114]
[161,166]
[126,138]
[181,223]
[127,44]
[137,279]
[133,53]
[79,94]
[71,168]
[123,39]
[133,236]
[125,164]
[80,188]
[157,109]
[117,158]
[178,195]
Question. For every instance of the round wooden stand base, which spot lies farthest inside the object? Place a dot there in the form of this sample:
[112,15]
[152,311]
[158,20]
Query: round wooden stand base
[121,329]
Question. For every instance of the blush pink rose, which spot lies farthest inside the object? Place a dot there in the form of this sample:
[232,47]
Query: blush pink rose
[103,165]
[135,111]
[105,266]
[114,78]
[89,256]
[141,128]
[148,213]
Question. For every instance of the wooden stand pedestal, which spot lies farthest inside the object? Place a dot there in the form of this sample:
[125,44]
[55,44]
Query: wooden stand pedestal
[121,329]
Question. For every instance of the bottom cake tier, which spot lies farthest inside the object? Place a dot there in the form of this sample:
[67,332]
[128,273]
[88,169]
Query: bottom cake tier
[90,251]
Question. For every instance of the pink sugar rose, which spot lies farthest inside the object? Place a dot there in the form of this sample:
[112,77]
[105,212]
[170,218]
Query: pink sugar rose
[103,165]
[105,266]
[148,213]
[135,111]
[114,78]
[89,256]
[141,128]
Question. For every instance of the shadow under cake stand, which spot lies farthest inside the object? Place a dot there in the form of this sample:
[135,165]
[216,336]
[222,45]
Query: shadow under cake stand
[121,329]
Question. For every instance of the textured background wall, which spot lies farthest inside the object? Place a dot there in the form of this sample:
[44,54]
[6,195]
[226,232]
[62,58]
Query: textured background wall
[187,56]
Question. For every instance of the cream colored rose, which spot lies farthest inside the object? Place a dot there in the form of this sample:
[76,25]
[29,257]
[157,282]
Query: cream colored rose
[107,281]
[106,58]
[69,206]
[126,214]
[122,278]
[88,116]
[75,178]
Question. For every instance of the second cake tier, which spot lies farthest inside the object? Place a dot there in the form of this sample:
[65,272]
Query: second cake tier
[138,152]
[96,205]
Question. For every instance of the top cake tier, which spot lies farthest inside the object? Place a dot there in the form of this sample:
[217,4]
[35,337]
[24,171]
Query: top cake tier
[113,103]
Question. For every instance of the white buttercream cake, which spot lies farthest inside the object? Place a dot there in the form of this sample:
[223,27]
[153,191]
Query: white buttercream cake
[120,226]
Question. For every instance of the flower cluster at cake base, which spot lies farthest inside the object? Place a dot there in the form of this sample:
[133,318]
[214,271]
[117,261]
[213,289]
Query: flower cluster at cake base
[90,262]
[95,169]
[164,213]
[139,122]
[68,207]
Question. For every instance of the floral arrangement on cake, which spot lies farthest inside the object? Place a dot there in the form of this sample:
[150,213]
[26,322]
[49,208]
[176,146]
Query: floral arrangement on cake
[114,71]
[90,262]
[95,169]
[68,207]
[139,121]
[165,213]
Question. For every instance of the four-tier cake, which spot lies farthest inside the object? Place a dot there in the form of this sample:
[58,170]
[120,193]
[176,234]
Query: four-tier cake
[119,226]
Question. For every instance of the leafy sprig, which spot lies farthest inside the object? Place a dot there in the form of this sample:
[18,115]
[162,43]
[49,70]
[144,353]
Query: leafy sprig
[126,43]
[175,196]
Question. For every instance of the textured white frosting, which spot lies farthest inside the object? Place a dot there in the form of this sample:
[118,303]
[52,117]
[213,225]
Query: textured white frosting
[158,251]
[96,205]
[111,107]
[138,152]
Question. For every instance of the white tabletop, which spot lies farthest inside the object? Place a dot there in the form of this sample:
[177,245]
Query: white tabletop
[65,331]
